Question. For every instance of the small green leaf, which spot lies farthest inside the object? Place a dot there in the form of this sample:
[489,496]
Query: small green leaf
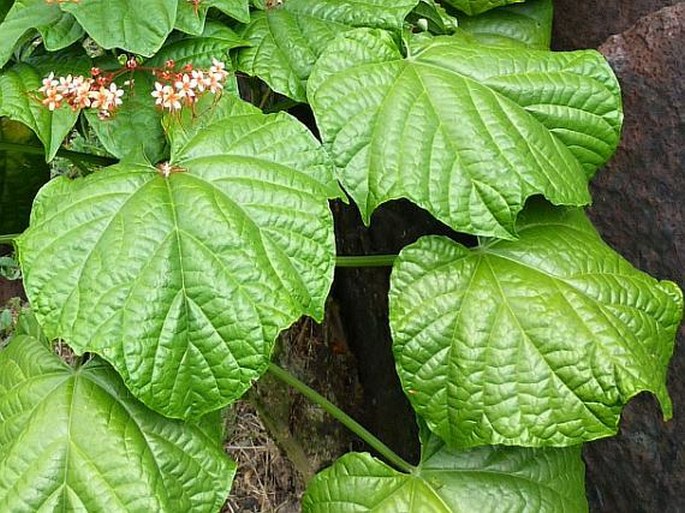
[191,19]
[9,268]
[214,43]
[465,131]
[19,99]
[76,440]
[528,24]
[5,322]
[535,342]
[21,175]
[472,7]
[183,283]
[286,41]
[58,29]
[434,16]
[483,480]
[132,25]
[28,325]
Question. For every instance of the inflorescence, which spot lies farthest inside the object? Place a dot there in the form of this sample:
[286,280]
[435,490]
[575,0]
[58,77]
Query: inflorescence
[172,90]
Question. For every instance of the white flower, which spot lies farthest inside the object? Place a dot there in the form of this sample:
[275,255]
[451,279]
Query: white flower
[186,87]
[167,97]
[48,83]
[116,94]
[199,77]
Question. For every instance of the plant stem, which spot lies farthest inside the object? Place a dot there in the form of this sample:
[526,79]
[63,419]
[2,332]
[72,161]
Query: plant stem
[9,238]
[365,261]
[341,416]
[69,154]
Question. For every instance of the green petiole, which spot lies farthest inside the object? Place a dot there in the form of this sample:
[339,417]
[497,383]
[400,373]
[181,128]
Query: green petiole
[342,417]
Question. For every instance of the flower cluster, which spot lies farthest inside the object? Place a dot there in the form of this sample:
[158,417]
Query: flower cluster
[173,89]
[177,89]
[79,92]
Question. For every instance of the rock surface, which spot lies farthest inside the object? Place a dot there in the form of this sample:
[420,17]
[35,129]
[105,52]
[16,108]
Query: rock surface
[587,23]
[639,208]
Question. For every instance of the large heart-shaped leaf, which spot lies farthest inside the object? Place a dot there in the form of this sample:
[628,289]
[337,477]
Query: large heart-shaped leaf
[57,28]
[191,18]
[478,6]
[19,99]
[539,341]
[137,124]
[21,175]
[465,131]
[135,26]
[76,440]
[287,40]
[483,480]
[528,24]
[184,281]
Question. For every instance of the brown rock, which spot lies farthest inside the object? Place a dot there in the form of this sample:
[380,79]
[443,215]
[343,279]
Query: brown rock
[586,24]
[639,208]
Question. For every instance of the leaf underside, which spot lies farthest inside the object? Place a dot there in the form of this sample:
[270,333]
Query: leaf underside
[76,440]
[183,283]
[534,342]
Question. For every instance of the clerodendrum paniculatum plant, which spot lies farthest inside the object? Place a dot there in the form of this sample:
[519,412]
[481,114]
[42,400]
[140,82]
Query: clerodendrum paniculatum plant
[172,270]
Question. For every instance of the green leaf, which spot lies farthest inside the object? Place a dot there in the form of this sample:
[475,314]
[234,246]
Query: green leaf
[465,131]
[431,16]
[533,342]
[76,440]
[183,283]
[214,43]
[483,480]
[58,29]
[5,6]
[191,20]
[528,24]
[21,175]
[28,325]
[472,7]
[137,124]
[19,99]
[286,41]
[132,25]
